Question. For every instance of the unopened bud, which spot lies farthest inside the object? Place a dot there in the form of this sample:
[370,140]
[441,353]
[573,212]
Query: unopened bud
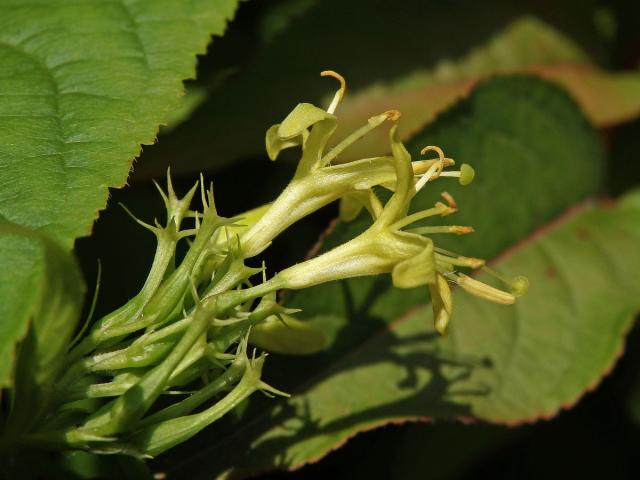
[485,291]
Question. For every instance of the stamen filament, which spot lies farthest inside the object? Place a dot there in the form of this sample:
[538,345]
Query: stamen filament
[439,209]
[448,253]
[460,261]
[457,229]
[438,150]
[421,166]
[450,200]
[373,122]
[465,174]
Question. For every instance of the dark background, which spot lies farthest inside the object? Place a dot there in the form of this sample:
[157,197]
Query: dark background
[373,40]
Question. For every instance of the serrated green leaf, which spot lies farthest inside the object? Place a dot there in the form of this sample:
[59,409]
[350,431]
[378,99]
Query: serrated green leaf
[535,155]
[42,292]
[194,96]
[82,85]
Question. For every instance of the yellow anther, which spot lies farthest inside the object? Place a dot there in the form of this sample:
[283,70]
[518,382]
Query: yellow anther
[461,230]
[445,210]
[393,115]
[457,229]
[460,261]
[450,200]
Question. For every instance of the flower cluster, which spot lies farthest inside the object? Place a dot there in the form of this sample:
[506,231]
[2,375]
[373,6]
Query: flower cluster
[187,332]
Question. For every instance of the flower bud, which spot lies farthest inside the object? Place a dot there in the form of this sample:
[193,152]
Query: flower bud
[287,335]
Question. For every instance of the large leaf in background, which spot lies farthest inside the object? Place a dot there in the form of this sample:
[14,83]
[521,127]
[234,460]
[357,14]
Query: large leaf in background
[82,85]
[535,155]
[367,41]
[42,291]
[499,364]
[528,46]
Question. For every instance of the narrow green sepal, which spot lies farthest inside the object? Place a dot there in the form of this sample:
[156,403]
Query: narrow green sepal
[272,392]
[177,208]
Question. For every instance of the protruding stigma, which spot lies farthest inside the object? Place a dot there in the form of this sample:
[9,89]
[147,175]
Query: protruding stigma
[436,168]
[465,175]
[340,93]
[438,150]
[518,285]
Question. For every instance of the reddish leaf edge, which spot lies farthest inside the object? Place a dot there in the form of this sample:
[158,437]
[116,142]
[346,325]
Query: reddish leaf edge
[560,74]
[466,420]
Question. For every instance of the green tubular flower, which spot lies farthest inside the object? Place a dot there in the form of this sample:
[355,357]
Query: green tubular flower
[388,246]
[317,182]
[384,247]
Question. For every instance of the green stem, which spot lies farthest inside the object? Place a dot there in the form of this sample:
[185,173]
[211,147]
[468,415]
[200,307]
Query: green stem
[159,437]
[120,414]
[165,251]
[186,406]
